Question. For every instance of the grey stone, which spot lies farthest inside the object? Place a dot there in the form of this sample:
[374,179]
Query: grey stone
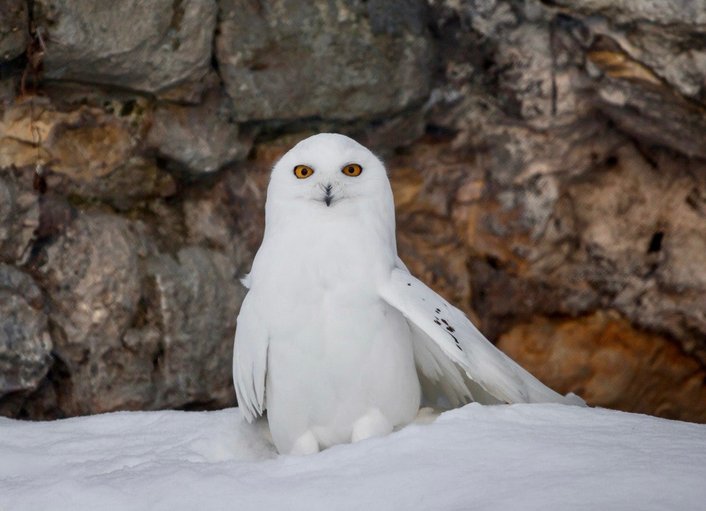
[25,344]
[526,83]
[137,327]
[14,25]
[19,214]
[198,295]
[287,59]
[161,46]
[91,275]
[199,139]
[394,132]
[665,37]
[653,88]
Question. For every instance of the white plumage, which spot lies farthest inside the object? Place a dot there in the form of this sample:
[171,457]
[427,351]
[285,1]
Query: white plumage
[335,335]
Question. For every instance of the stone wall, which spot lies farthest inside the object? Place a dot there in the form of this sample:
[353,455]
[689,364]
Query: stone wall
[548,161]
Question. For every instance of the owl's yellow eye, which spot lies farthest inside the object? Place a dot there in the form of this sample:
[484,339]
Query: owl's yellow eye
[352,169]
[303,171]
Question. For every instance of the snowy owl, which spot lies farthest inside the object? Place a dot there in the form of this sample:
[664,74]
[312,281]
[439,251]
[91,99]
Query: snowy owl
[335,338]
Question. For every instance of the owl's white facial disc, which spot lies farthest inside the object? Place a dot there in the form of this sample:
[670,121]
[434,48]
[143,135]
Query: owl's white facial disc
[324,183]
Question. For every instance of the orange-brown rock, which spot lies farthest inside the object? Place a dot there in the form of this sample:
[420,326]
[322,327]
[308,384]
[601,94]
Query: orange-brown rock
[611,364]
[87,152]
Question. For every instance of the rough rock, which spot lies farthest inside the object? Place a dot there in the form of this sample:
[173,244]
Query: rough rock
[619,236]
[635,98]
[198,139]
[25,344]
[289,59]
[648,63]
[87,152]
[135,327]
[666,38]
[19,214]
[627,237]
[612,364]
[91,275]
[14,29]
[198,296]
[162,47]
[640,217]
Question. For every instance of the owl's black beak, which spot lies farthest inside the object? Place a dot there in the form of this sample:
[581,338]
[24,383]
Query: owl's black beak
[328,198]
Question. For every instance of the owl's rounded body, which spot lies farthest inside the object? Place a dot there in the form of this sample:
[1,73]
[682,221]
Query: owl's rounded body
[340,364]
[334,331]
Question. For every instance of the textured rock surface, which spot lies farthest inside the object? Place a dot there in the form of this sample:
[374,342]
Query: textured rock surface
[197,292]
[91,275]
[607,359]
[25,345]
[657,39]
[199,139]
[289,59]
[14,29]
[87,152]
[548,161]
[19,215]
[161,46]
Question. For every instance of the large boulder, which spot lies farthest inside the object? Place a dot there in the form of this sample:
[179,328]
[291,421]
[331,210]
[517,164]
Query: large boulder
[89,152]
[648,65]
[288,59]
[136,326]
[196,296]
[161,46]
[665,38]
[91,275]
[198,139]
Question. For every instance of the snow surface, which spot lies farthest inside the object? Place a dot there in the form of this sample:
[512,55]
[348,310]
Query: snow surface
[477,457]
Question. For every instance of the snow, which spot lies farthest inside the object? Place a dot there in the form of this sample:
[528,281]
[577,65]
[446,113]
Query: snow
[522,457]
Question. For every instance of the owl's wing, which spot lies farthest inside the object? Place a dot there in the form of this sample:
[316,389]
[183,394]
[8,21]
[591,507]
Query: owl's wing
[443,334]
[250,360]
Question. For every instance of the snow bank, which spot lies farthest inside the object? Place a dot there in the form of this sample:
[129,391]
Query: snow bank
[477,457]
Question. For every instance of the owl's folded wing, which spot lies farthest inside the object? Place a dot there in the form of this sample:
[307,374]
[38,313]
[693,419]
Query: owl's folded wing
[444,334]
[250,360]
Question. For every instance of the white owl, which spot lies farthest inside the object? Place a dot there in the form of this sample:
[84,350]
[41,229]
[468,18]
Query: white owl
[335,338]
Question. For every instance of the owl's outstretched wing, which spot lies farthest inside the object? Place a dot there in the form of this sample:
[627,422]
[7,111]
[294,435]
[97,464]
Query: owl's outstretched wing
[250,360]
[443,333]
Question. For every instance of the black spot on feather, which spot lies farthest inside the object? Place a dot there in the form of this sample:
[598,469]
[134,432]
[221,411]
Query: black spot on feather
[458,345]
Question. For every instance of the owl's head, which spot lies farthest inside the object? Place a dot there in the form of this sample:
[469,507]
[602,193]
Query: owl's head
[329,173]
